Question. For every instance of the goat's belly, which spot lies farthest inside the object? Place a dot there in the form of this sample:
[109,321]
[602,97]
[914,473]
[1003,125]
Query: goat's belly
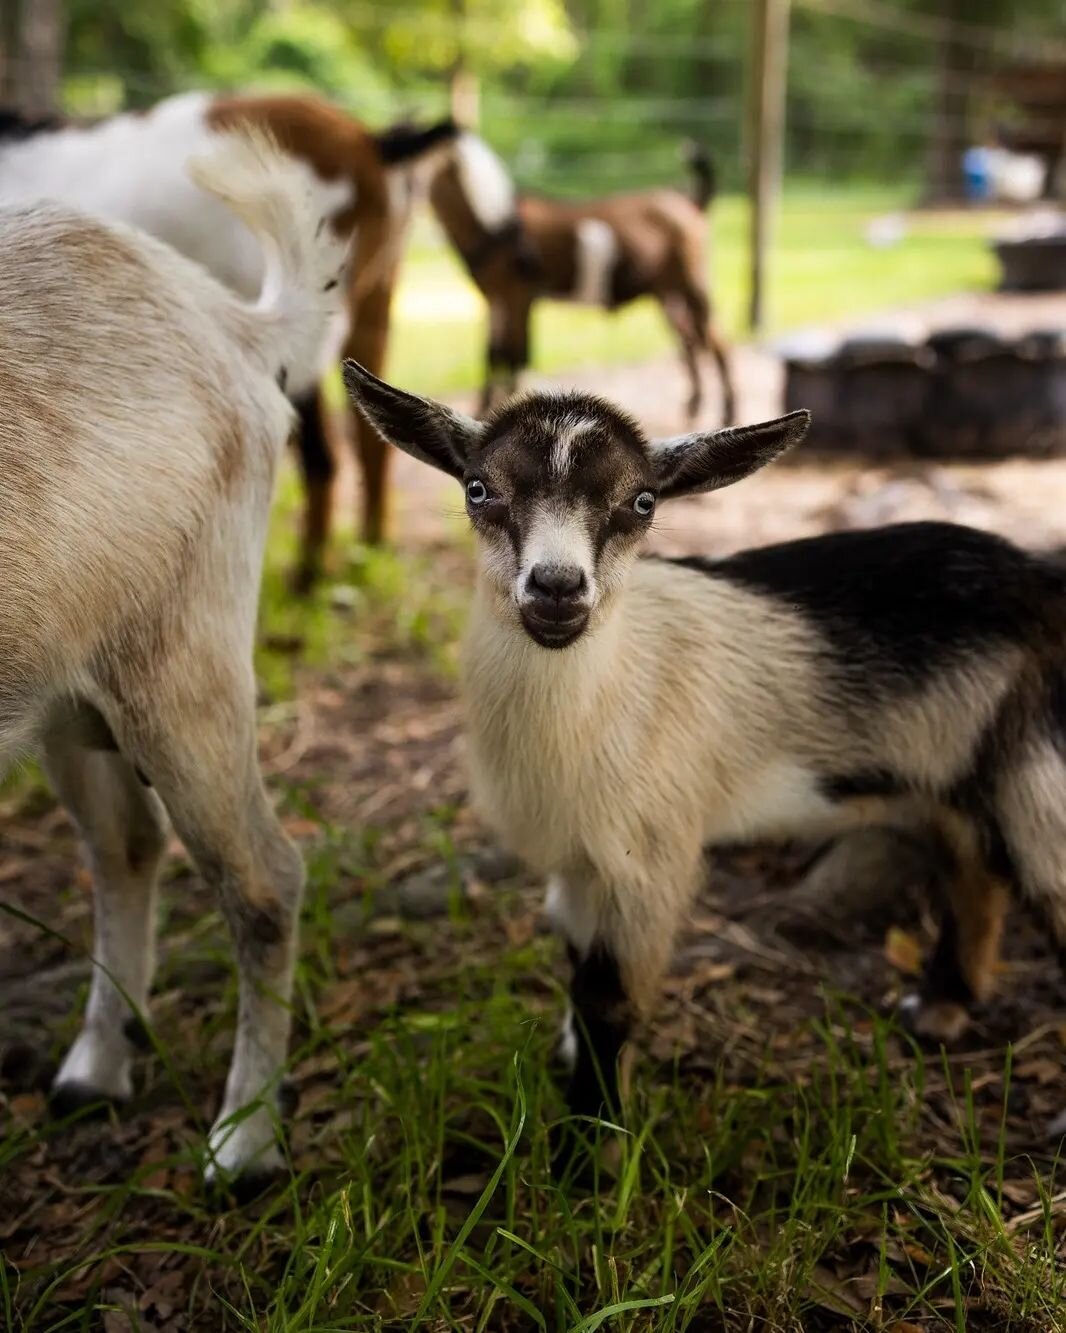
[784,800]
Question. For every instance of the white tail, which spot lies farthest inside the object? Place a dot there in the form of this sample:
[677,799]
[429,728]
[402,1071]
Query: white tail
[303,259]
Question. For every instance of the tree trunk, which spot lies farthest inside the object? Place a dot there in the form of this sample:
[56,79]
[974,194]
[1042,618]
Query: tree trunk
[40,57]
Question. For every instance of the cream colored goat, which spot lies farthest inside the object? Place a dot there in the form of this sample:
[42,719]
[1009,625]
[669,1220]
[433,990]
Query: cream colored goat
[141,423]
[624,713]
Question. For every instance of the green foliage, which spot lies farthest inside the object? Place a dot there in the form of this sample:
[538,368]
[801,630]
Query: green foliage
[593,94]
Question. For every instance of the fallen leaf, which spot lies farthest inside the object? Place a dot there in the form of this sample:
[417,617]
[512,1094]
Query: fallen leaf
[903,951]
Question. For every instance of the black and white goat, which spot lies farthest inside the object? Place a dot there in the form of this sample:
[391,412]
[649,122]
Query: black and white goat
[606,252]
[141,426]
[624,713]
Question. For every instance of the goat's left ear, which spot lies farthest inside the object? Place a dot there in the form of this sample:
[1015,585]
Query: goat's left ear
[707,461]
[426,430]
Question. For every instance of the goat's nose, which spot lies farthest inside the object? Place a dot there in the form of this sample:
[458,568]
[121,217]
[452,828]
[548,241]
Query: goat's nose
[557,581]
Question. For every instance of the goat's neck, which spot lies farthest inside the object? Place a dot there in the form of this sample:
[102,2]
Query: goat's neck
[501,657]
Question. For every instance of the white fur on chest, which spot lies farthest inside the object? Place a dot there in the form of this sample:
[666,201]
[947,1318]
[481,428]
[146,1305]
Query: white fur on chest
[595,258]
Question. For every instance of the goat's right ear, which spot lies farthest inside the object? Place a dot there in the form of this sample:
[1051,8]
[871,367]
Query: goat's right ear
[709,460]
[426,430]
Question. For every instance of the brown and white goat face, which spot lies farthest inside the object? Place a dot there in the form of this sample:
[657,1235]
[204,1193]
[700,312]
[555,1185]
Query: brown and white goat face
[561,488]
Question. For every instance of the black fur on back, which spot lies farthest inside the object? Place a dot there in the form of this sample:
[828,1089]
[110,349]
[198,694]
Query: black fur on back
[14,125]
[907,599]
[405,141]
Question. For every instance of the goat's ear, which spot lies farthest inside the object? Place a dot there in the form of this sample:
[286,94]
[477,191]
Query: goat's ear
[424,429]
[688,464]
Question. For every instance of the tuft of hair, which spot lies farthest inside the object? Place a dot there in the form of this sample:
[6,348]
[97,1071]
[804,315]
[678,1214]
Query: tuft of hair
[485,182]
[303,258]
[704,177]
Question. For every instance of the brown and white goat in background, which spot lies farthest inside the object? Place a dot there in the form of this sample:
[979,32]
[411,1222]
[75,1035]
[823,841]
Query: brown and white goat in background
[624,713]
[520,247]
[141,426]
[131,168]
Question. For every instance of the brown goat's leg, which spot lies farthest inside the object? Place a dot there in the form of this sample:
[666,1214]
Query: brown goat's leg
[711,340]
[319,469]
[720,352]
[366,343]
[679,316]
[963,967]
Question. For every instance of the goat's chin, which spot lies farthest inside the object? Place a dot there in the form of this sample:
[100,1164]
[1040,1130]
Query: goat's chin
[554,634]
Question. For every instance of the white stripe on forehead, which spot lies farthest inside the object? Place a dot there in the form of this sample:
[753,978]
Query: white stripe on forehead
[567,432]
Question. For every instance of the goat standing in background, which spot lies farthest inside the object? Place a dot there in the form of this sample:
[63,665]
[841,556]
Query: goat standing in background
[141,426]
[607,252]
[131,168]
[622,714]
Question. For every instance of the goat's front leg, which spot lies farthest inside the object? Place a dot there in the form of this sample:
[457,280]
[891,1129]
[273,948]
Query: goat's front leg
[619,941]
[123,829]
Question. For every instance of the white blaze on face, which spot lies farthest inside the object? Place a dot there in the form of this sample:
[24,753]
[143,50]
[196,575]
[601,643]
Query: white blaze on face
[558,535]
[562,445]
[597,251]
[488,188]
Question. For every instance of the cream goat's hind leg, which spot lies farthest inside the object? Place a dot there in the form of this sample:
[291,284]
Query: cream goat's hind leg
[122,825]
[199,749]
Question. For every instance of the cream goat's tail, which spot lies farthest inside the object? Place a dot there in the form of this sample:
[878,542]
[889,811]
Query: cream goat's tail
[303,261]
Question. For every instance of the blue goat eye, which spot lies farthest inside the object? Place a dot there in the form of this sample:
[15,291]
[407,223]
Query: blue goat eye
[644,504]
[476,492]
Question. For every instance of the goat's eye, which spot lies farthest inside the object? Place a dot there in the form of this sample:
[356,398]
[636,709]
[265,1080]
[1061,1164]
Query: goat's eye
[476,492]
[644,504]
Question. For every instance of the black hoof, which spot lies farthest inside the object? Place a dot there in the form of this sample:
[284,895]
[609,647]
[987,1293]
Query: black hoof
[80,1099]
[239,1191]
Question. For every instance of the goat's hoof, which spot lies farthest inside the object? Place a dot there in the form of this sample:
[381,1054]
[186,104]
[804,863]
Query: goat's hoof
[935,1021]
[246,1187]
[243,1152]
[74,1098]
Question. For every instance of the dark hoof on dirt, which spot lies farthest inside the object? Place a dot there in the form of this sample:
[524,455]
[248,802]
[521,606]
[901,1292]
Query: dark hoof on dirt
[80,1099]
[247,1188]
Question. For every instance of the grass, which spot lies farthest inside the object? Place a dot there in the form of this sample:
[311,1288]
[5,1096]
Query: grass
[822,269]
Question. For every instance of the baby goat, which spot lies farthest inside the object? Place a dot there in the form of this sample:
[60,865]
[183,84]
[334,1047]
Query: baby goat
[604,252]
[624,713]
[141,423]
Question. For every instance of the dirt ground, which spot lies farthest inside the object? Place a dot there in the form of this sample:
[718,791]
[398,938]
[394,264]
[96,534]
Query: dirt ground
[377,744]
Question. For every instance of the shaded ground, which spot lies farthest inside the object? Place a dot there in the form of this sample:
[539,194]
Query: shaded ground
[799,1164]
